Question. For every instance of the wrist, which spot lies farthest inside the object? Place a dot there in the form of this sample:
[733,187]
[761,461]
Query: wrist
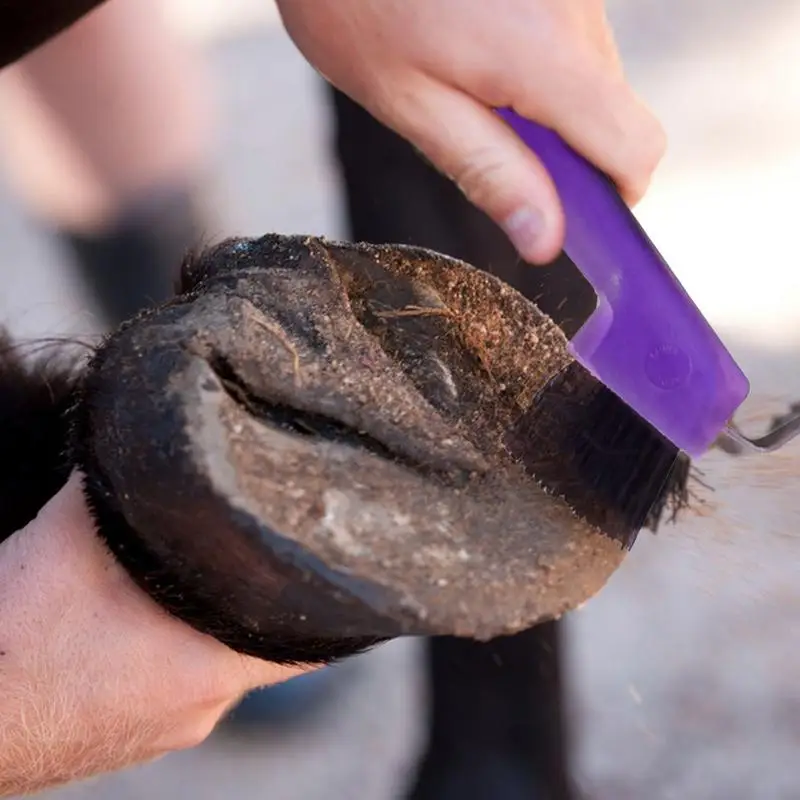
[62,533]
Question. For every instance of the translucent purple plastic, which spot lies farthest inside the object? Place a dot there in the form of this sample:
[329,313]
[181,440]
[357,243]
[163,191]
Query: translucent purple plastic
[647,341]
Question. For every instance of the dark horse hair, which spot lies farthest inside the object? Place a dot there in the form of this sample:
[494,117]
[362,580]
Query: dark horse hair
[36,395]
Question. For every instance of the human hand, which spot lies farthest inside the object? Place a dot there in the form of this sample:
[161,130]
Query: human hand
[94,676]
[432,70]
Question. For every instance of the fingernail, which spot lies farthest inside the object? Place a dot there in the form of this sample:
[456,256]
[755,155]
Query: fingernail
[525,228]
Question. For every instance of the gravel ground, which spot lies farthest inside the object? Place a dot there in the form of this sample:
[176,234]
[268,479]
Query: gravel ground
[686,668]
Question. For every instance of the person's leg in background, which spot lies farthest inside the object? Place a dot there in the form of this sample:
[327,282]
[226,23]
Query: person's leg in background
[497,713]
[107,135]
[107,139]
[496,720]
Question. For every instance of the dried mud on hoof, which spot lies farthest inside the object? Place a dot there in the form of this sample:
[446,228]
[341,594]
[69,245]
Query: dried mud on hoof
[308,451]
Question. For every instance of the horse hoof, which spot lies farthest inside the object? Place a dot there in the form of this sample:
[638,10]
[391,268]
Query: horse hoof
[307,451]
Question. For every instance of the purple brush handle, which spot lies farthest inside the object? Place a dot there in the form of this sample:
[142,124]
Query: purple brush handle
[647,341]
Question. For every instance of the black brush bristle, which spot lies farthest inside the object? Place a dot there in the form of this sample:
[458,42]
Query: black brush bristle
[609,464]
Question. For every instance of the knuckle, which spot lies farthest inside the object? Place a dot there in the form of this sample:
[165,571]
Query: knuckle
[480,175]
[654,144]
[390,97]
[219,683]
[195,733]
[643,148]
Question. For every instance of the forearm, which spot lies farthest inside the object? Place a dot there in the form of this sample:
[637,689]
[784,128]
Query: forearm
[47,734]
[25,24]
[94,676]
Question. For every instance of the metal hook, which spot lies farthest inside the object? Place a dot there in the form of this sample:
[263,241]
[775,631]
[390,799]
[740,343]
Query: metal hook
[735,443]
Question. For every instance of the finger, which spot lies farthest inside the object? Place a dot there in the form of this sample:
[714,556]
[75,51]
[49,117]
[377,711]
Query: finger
[606,44]
[591,105]
[468,142]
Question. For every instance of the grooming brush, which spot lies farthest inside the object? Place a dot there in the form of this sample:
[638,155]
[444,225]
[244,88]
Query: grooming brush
[650,378]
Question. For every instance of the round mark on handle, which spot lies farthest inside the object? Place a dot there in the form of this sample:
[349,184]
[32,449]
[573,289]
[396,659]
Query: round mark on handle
[667,366]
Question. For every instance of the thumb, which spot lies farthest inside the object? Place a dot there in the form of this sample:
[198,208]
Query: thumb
[470,144]
[256,673]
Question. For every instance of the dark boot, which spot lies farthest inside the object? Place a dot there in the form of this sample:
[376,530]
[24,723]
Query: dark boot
[497,717]
[135,262]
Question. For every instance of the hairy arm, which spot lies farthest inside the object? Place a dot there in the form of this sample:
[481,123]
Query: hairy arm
[94,677]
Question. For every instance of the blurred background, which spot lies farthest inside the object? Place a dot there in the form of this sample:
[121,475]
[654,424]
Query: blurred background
[684,672]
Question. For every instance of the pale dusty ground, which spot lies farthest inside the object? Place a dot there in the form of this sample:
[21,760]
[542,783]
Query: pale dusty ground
[687,667]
